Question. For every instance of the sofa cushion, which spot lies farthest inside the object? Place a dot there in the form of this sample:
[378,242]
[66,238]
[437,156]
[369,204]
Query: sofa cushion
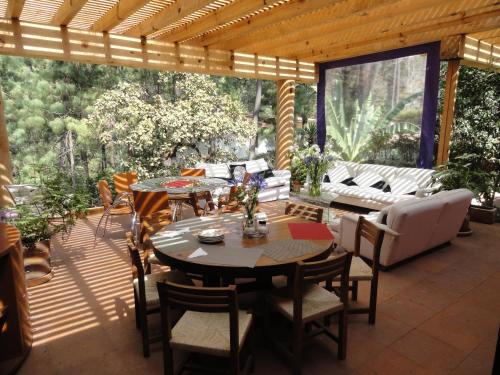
[367,179]
[422,176]
[215,170]
[386,171]
[338,174]
[277,181]
[258,165]
[390,198]
[405,184]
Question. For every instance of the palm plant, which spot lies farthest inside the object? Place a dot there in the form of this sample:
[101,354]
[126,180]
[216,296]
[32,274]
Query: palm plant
[352,135]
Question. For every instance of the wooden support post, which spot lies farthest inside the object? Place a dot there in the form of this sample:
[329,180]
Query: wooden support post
[5,166]
[448,111]
[284,122]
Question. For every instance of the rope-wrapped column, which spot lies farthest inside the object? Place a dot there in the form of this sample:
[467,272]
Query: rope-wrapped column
[284,122]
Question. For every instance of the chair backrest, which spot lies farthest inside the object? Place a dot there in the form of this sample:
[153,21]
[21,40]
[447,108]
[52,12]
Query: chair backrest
[195,201]
[304,211]
[3,317]
[373,234]
[197,172]
[307,273]
[105,193]
[137,267]
[192,298]
[123,181]
[147,202]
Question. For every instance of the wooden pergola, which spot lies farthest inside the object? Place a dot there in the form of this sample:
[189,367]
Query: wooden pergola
[281,40]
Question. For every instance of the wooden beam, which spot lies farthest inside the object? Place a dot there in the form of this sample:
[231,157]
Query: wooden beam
[119,12]
[337,16]
[67,11]
[168,16]
[393,24]
[219,17]
[415,36]
[5,163]
[450,93]
[452,47]
[67,44]
[284,122]
[14,8]
[255,23]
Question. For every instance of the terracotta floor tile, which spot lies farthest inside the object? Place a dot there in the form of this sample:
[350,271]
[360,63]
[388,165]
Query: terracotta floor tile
[428,352]
[405,311]
[390,362]
[385,331]
[462,325]
[471,366]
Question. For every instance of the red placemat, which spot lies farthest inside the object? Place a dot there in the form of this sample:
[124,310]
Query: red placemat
[309,231]
[177,184]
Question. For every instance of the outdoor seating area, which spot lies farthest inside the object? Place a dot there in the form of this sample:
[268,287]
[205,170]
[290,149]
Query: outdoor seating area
[249,187]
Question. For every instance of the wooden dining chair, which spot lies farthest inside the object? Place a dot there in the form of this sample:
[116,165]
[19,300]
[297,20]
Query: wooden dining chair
[112,207]
[3,317]
[361,271]
[146,297]
[211,325]
[306,303]
[195,172]
[304,211]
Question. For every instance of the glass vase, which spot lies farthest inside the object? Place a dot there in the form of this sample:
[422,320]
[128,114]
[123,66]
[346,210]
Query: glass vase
[315,187]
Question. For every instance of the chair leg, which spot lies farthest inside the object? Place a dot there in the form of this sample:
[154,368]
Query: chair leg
[104,214]
[373,301]
[235,364]
[342,344]
[168,360]
[354,292]
[297,348]
[145,333]
[137,313]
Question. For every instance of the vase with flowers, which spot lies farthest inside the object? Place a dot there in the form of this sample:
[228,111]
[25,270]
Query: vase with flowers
[248,194]
[317,164]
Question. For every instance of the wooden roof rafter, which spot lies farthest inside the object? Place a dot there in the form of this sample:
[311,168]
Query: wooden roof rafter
[67,11]
[169,15]
[235,10]
[14,8]
[119,12]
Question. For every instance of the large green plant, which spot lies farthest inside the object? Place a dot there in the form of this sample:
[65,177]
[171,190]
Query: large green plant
[54,209]
[352,135]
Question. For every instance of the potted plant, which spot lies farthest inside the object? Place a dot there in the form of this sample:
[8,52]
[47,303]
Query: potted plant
[317,164]
[298,171]
[55,209]
[487,182]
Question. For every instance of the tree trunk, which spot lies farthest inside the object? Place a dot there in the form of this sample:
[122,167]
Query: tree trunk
[104,164]
[71,156]
[85,161]
[256,110]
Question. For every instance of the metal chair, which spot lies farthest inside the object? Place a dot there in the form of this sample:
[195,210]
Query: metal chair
[112,207]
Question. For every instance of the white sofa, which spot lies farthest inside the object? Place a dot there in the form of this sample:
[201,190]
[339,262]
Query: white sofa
[278,181]
[411,227]
[409,180]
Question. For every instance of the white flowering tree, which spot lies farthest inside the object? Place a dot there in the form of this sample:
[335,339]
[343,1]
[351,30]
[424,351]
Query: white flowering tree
[195,122]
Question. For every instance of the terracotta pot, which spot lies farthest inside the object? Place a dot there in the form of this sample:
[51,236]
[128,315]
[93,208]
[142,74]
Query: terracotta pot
[485,215]
[37,267]
[296,185]
[465,230]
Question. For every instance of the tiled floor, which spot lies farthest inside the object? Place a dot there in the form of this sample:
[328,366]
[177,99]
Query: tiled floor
[437,314]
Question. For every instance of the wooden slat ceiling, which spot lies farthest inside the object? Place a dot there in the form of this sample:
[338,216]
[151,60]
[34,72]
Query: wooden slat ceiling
[307,30]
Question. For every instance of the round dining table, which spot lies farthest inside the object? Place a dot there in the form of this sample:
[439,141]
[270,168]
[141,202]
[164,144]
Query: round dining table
[276,253]
[179,187]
